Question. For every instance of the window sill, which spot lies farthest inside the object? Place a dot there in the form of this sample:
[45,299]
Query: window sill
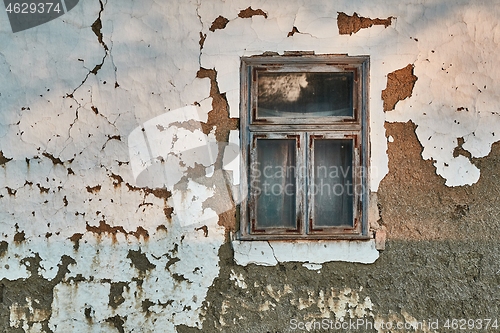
[270,253]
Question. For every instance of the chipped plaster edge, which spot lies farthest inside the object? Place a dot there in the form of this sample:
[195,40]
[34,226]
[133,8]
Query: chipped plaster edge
[270,253]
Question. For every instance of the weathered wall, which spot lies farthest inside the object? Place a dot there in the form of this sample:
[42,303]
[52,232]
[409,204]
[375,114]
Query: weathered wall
[117,190]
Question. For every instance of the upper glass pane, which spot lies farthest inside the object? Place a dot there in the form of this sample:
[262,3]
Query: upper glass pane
[305,95]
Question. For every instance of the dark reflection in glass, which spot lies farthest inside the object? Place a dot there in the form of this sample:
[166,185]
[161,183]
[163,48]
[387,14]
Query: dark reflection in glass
[305,94]
[332,187]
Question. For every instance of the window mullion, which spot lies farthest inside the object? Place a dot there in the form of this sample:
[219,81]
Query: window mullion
[302,179]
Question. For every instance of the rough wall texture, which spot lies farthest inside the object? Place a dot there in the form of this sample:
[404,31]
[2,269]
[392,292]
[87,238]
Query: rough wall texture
[117,146]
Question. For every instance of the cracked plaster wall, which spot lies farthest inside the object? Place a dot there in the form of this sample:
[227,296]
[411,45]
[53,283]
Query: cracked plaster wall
[104,251]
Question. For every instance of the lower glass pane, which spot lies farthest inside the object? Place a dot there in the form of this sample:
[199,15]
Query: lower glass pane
[273,181]
[332,188]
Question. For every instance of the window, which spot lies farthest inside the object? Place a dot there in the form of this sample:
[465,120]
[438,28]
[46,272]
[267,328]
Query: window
[304,139]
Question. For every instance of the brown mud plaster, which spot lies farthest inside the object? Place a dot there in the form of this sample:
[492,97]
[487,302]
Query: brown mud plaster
[18,292]
[44,189]
[76,240]
[349,25]
[417,205]
[202,39]
[293,32]
[11,191]
[146,304]
[161,193]
[4,246]
[219,116]
[94,189]
[55,160]
[205,230]
[105,228]
[461,151]
[4,159]
[161,227]
[168,213]
[117,180]
[249,12]
[116,293]
[219,23]
[140,260]
[19,237]
[117,322]
[140,231]
[400,85]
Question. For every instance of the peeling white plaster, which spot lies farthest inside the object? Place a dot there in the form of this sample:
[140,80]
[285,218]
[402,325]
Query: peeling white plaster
[312,267]
[238,279]
[231,160]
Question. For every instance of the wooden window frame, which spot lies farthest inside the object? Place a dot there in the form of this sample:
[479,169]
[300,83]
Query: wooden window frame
[305,130]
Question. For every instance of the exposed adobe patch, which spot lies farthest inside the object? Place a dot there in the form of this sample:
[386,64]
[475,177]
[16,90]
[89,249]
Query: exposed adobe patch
[117,322]
[140,260]
[161,193]
[116,293]
[161,227]
[146,304]
[44,189]
[105,228]
[205,230]
[76,240]
[249,12]
[94,189]
[19,292]
[349,25]
[20,235]
[460,151]
[202,40]
[97,26]
[417,205]
[4,159]
[117,180]
[11,191]
[219,23]
[400,85]
[293,32]
[55,160]
[168,212]
[219,116]
[4,246]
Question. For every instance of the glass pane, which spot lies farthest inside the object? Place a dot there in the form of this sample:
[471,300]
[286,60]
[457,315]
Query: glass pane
[273,180]
[333,188]
[304,94]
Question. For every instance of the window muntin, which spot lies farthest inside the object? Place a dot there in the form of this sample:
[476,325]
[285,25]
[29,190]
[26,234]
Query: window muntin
[307,115]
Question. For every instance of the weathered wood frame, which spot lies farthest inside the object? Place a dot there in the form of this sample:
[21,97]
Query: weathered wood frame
[305,129]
